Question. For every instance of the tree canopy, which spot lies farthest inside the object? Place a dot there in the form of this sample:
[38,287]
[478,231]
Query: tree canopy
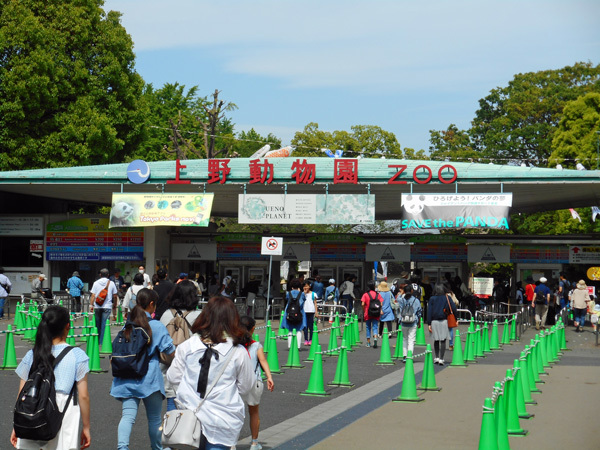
[69,93]
[578,133]
[518,122]
[368,141]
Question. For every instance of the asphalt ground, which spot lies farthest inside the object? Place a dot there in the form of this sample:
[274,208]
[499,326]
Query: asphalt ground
[291,420]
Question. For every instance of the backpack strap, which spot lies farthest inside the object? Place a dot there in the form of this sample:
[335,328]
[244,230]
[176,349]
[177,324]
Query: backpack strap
[73,392]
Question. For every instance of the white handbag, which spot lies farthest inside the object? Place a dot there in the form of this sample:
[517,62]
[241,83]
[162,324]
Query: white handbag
[181,428]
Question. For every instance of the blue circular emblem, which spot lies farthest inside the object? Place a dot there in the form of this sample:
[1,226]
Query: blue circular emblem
[138,171]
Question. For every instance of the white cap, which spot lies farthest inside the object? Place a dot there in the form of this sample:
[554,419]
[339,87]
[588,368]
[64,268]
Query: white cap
[41,275]
[331,281]
[543,280]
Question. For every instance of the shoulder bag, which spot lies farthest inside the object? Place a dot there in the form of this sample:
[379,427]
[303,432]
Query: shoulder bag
[101,297]
[450,317]
[181,428]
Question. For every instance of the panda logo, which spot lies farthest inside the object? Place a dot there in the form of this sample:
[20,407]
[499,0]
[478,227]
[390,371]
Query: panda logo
[120,214]
[414,204]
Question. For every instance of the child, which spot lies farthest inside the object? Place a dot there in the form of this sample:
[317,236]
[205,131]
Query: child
[50,341]
[257,357]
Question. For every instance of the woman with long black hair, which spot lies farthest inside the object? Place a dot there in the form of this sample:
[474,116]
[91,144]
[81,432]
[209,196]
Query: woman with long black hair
[50,341]
[151,387]
[214,349]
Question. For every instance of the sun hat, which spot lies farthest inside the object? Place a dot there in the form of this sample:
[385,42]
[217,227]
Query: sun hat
[383,287]
[543,280]
[581,285]
[75,274]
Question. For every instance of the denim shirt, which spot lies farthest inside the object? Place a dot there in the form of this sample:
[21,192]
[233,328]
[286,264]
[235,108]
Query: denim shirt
[153,380]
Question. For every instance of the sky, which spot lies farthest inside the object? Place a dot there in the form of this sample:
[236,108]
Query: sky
[405,66]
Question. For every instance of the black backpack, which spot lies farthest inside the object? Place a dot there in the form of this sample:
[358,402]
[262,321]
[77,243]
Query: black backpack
[540,299]
[374,306]
[130,357]
[36,414]
[294,312]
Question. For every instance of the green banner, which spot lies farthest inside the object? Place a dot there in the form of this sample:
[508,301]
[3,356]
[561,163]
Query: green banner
[152,210]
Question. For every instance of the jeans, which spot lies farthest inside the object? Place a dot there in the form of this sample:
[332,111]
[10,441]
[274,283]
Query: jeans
[101,315]
[372,324]
[451,337]
[2,300]
[308,331]
[579,316]
[153,405]
[171,406]
[348,302]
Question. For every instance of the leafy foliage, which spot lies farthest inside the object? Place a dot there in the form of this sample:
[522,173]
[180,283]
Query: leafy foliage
[370,141]
[554,222]
[69,94]
[518,121]
[578,134]
[248,142]
[451,143]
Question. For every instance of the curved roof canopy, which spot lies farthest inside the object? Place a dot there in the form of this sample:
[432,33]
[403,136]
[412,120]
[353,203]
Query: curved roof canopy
[533,189]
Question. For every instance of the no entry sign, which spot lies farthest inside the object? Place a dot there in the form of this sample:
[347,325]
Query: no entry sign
[271,246]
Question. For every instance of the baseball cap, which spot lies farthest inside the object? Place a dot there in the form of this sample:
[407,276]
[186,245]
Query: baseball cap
[41,275]
[543,280]
[331,281]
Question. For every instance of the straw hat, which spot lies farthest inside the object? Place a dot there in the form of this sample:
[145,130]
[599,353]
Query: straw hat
[383,287]
[581,285]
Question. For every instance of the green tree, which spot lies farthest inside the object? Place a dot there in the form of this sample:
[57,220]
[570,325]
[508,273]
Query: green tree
[451,143]
[578,133]
[518,121]
[69,93]
[246,143]
[171,106]
[554,222]
[370,141]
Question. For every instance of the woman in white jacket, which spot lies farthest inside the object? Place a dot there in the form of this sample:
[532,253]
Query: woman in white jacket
[198,360]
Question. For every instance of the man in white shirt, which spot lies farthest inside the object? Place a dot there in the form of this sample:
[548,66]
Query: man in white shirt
[102,309]
[5,286]
[147,280]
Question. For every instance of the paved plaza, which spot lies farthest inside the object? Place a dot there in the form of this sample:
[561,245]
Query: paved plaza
[364,415]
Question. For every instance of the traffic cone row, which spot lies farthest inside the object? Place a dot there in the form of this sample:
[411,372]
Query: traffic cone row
[520,383]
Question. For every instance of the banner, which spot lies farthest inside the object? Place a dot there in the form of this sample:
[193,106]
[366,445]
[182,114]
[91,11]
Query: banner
[306,208]
[151,210]
[441,211]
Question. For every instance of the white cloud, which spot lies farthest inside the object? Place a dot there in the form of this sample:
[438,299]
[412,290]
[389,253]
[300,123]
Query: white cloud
[382,45]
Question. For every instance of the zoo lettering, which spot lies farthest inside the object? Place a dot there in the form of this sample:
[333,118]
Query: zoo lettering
[345,172]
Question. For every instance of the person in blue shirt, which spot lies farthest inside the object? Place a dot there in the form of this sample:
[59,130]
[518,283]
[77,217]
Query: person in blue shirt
[332,297]
[318,288]
[151,387]
[541,299]
[50,341]
[74,286]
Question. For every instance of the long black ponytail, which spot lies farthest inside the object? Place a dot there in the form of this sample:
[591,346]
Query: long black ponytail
[53,323]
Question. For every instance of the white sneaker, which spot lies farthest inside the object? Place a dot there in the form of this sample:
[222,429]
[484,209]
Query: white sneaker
[436,360]
[441,362]
[255,446]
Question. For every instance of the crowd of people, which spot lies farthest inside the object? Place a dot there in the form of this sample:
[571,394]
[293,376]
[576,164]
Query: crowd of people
[208,361]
